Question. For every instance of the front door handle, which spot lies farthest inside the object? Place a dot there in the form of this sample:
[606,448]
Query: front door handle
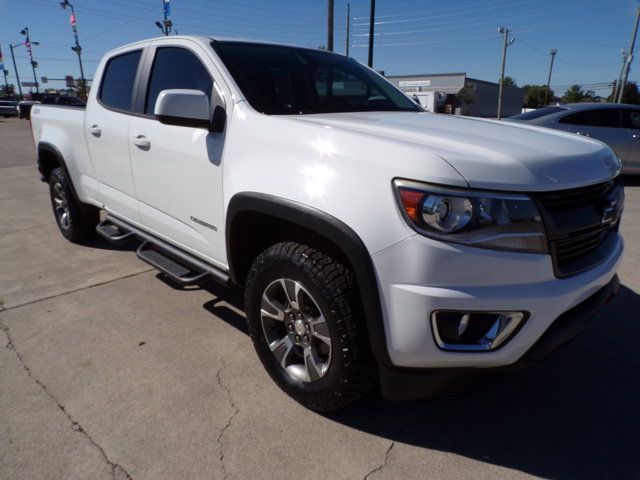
[583,134]
[636,136]
[95,130]
[142,142]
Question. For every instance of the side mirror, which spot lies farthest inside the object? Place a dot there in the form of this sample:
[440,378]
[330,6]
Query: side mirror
[186,108]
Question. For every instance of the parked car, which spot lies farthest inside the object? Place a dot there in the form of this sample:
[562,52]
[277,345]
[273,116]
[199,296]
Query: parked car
[617,125]
[376,243]
[67,100]
[8,108]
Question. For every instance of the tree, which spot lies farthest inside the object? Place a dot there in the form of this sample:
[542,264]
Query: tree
[466,96]
[534,96]
[630,93]
[8,90]
[575,94]
[509,82]
[78,88]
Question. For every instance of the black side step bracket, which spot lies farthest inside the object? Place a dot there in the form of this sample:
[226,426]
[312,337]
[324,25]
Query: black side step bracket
[112,233]
[180,266]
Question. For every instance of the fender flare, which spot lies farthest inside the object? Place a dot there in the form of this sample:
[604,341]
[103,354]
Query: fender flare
[336,232]
[53,150]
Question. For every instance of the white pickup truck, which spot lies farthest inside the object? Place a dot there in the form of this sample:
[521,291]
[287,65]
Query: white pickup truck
[377,244]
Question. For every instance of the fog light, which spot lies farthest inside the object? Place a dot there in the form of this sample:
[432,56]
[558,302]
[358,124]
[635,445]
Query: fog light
[474,331]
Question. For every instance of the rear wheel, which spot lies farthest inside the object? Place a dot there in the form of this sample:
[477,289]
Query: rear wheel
[77,221]
[306,324]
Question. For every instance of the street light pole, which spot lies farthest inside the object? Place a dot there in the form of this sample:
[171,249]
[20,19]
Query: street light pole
[330,10]
[34,64]
[546,92]
[76,48]
[507,41]
[372,19]
[15,67]
[348,28]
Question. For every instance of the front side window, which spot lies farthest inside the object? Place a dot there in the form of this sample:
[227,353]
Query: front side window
[118,81]
[176,68]
[281,80]
[601,117]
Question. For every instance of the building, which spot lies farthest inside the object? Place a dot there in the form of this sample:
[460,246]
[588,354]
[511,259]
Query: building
[442,92]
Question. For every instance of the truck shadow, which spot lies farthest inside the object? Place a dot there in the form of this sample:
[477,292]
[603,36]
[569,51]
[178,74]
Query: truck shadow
[574,416]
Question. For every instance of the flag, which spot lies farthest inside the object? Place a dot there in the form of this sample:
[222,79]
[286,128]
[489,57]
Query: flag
[72,20]
[27,44]
[167,8]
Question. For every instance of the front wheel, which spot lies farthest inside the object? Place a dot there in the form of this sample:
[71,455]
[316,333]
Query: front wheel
[307,327]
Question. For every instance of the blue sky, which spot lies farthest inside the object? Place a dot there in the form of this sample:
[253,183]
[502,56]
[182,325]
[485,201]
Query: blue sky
[417,36]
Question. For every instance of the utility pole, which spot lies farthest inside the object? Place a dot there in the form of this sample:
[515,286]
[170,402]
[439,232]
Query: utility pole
[546,92]
[629,57]
[330,26]
[166,24]
[76,48]
[372,19]
[614,97]
[15,67]
[507,41]
[348,29]
[34,64]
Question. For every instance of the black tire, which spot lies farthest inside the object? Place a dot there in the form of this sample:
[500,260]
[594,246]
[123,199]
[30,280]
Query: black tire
[351,371]
[76,221]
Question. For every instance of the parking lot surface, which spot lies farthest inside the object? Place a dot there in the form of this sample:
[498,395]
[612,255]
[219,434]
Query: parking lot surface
[111,373]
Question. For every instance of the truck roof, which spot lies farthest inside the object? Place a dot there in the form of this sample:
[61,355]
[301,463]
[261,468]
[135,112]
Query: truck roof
[206,40]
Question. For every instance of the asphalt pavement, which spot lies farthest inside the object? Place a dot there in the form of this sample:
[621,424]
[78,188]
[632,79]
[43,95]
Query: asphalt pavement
[109,372]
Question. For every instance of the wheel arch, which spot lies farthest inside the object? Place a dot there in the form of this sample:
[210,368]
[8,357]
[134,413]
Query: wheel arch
[256,221]
[50,158]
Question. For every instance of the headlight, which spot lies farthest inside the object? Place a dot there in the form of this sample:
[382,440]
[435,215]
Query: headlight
[497,220]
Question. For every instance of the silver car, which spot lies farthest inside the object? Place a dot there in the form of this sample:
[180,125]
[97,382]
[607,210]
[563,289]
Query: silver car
[617,125]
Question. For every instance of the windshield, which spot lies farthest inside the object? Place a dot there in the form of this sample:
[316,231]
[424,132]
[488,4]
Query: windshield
[280,80]
[540,112]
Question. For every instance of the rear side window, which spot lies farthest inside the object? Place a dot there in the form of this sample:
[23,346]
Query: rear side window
[176,68]
[601,117]
[118,80]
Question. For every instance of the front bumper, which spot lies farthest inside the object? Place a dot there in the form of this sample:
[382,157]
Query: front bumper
[420,275]
[405,384]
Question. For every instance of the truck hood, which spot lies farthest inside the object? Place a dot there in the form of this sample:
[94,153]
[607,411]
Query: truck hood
[489,154]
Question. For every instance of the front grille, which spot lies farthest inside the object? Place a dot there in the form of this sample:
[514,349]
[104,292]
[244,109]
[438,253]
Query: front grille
[581,225]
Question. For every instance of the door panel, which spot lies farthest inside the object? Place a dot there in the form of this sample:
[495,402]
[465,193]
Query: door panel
[107,132]
[604,124]
[179,175]
[631,120]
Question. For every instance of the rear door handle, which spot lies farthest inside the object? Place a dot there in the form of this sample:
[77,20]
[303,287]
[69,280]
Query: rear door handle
[142,142]
[95,130]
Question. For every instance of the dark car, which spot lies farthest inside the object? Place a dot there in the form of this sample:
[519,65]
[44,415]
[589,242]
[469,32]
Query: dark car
[617,125]
[8,108]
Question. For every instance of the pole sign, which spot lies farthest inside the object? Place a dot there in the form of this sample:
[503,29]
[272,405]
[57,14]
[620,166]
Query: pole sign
[44,79]
[70,82]
[29,84]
